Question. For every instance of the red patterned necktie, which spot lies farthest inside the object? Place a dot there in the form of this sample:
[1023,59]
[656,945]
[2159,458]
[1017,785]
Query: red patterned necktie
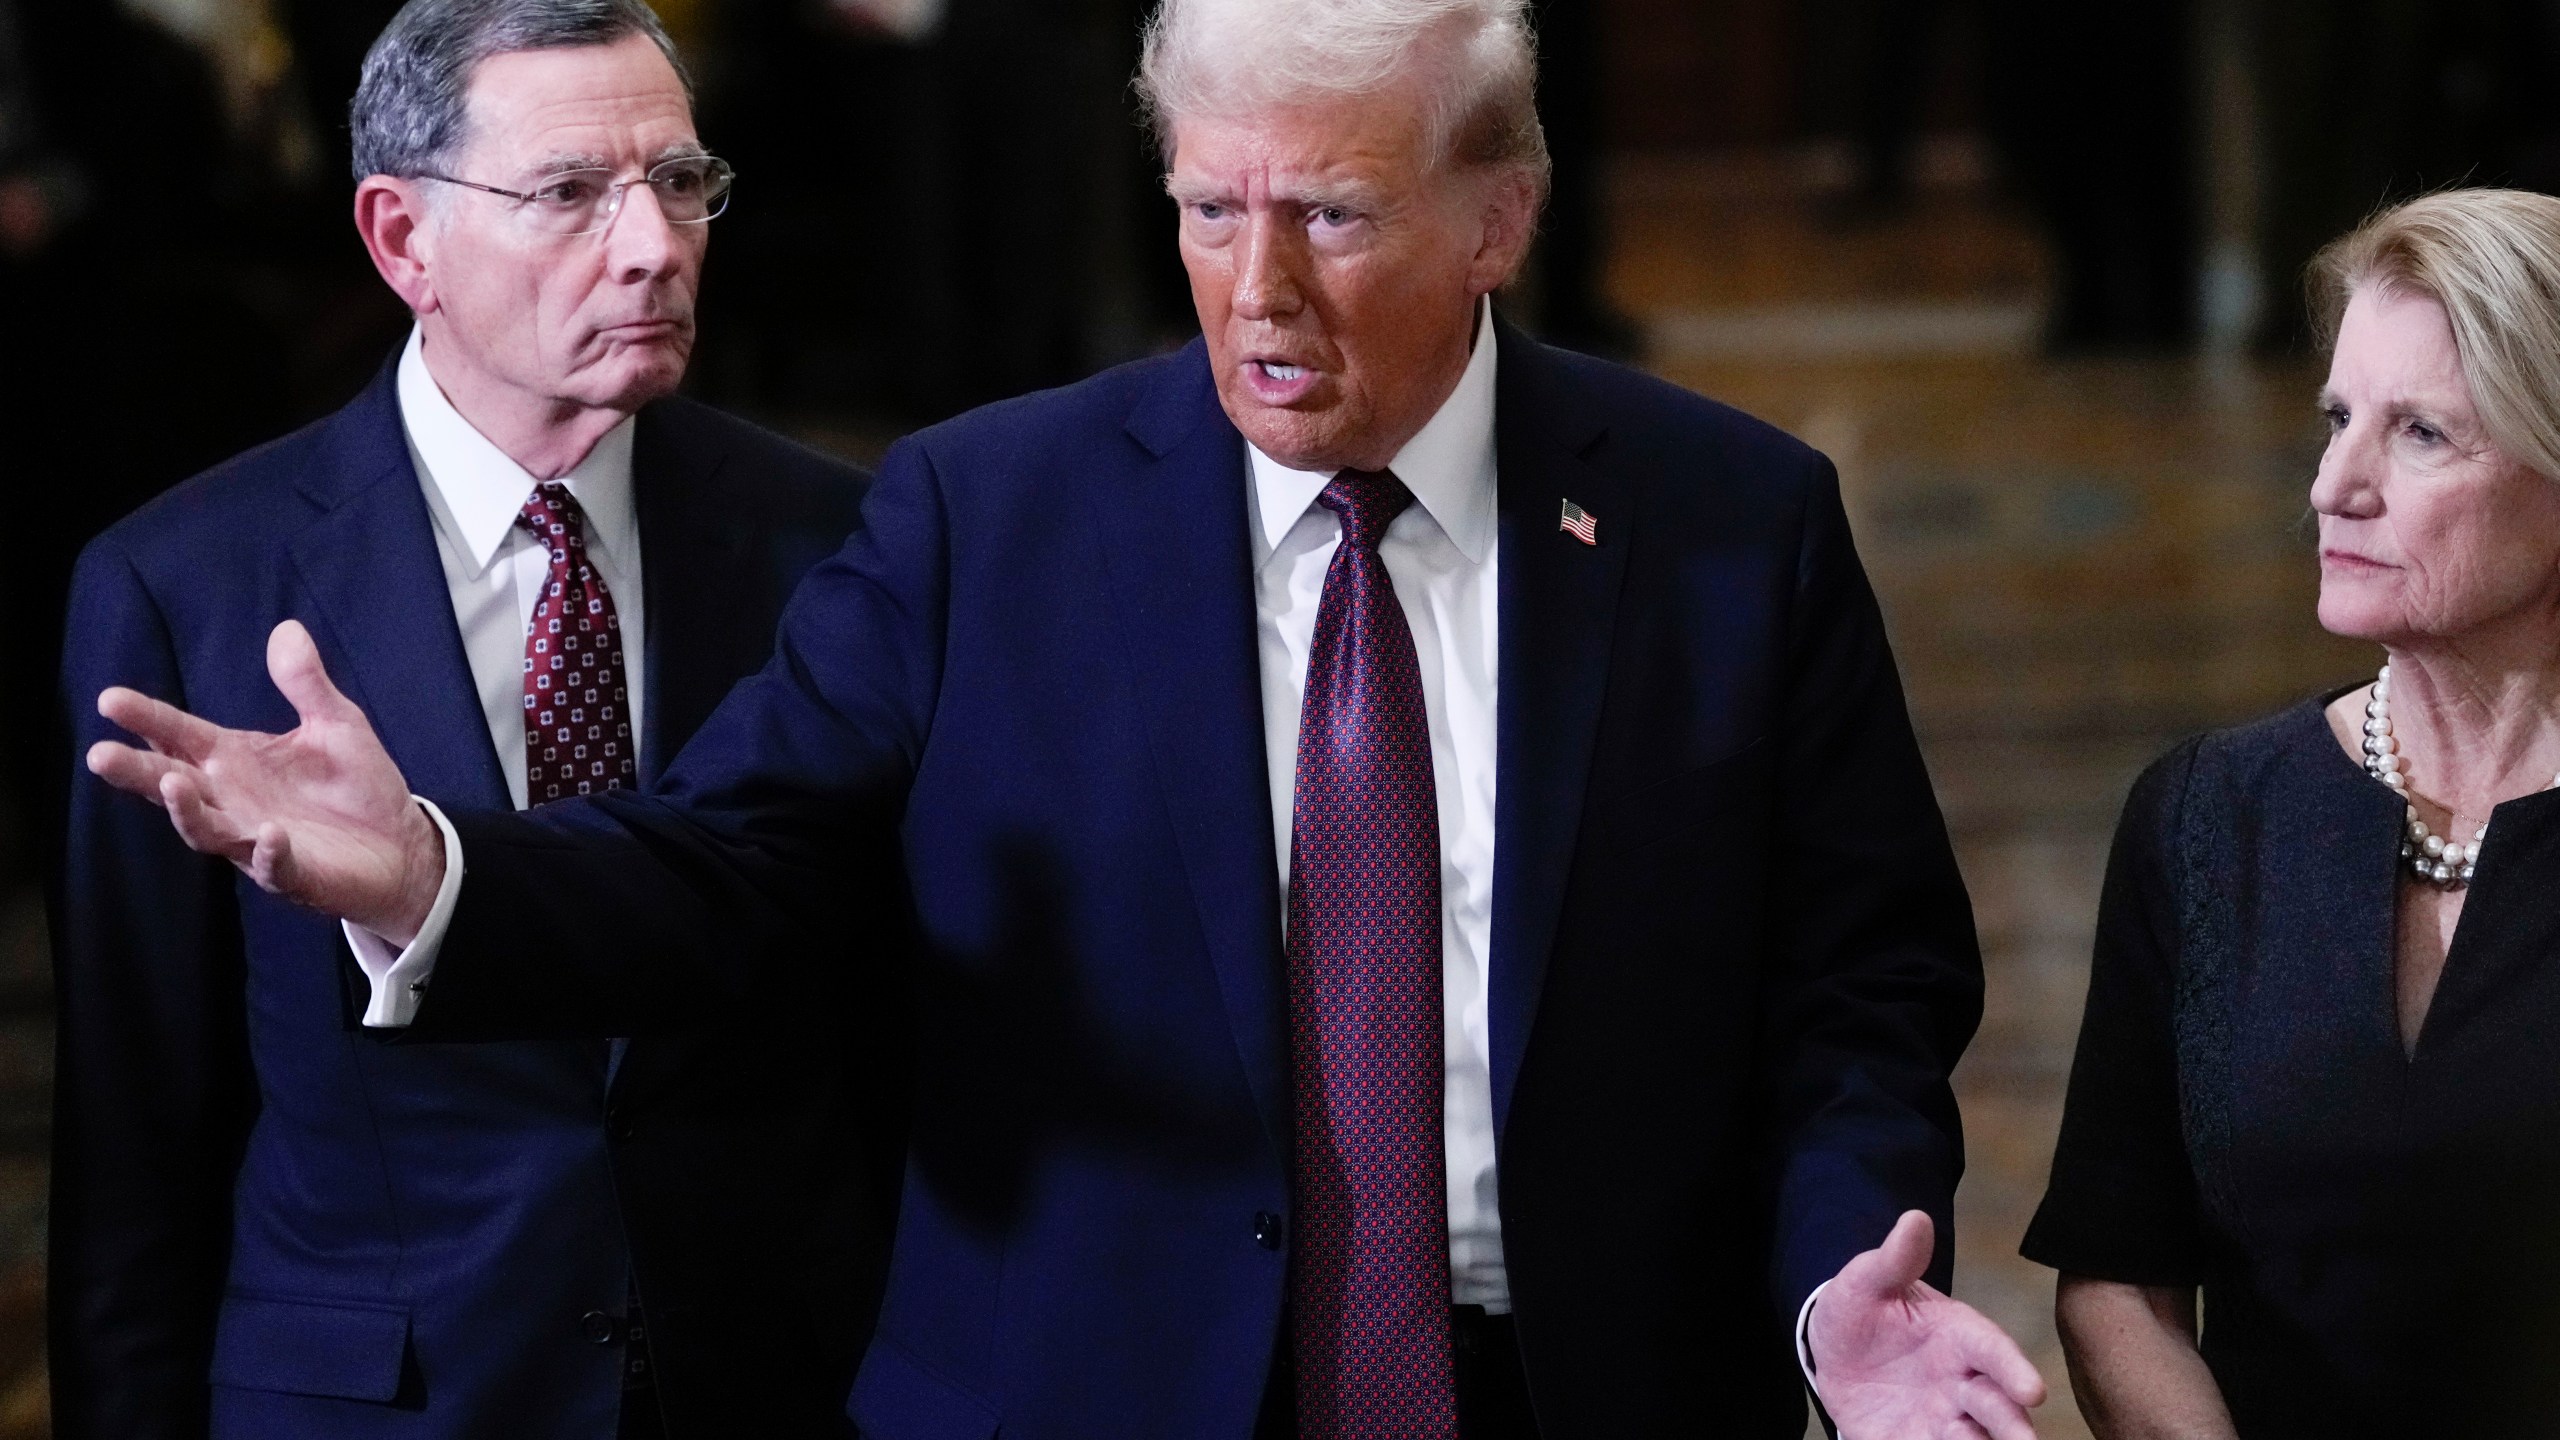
[577,701]
[1369,1273]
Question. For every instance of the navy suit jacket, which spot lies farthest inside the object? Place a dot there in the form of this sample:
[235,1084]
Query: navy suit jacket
[1732,960]
[348,1239]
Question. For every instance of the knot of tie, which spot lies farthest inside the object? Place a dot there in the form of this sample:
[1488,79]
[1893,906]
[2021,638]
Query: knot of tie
[552,514]
[1368,501]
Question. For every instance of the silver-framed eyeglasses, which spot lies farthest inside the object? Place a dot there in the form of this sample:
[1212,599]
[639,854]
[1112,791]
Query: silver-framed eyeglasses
[691,189]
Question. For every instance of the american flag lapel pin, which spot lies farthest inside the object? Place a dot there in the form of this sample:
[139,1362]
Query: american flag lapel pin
[1581,524]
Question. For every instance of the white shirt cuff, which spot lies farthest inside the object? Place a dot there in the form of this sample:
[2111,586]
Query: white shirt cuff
[400,977]
[1804,1321]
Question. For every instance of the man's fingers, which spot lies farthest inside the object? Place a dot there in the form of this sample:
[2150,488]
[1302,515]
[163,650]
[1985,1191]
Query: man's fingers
[1999,1416]
[137,772]
[271,859]
[293,662]
[198,821]
[1988,1349]
[1907,1250]
[1897,1264]
[167,729]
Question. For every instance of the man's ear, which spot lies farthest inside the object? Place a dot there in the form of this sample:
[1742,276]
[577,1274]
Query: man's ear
[391,215]
[1510,224]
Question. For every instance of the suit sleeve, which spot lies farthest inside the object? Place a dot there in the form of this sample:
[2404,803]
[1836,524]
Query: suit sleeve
[774,833]
[1876,982]
[153,1092]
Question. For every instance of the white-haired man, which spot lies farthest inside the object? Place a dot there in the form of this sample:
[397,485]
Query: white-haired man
[1430,920]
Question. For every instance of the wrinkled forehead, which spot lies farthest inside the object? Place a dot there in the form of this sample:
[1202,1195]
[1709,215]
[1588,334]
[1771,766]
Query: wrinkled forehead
[1311,149]
[613,106]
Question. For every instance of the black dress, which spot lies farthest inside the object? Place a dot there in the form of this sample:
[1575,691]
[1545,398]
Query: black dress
[2377,1237]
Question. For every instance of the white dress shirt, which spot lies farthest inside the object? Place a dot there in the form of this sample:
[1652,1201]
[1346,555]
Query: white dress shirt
[495,571]
[1442,555]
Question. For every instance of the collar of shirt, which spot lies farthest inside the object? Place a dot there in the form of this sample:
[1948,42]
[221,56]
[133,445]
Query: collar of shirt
[477,491]
[1449,466]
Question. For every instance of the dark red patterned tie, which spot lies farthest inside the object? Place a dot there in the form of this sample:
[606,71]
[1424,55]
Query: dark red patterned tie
[1369,1274]
[577,701]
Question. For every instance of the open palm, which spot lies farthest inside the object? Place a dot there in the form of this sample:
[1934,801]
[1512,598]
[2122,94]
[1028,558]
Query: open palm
[319,814]
[1895,1359]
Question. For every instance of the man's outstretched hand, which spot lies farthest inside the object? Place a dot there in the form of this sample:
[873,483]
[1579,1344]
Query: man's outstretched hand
[319,815]
[1893,1359]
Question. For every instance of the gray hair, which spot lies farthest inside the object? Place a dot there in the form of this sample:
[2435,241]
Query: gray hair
[1476,59]
[409,114]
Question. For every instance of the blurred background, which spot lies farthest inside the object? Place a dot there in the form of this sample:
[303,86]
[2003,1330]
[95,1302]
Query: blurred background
[2028,271]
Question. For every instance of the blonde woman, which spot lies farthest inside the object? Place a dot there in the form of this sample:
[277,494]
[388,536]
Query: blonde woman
[2317,1097]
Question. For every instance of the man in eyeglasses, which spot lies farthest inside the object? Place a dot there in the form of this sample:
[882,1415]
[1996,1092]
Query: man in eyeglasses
[541,570]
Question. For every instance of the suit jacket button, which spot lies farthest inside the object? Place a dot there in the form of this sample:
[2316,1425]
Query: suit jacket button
[1268,1231]
[599,1328]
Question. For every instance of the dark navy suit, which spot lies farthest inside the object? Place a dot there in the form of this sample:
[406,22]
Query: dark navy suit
[1732,960]
[268,1224]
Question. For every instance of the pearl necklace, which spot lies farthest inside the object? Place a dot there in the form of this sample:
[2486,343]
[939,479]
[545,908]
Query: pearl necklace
[2445,864]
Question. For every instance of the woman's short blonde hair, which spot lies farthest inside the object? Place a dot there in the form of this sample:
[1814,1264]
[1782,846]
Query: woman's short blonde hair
[2491,258]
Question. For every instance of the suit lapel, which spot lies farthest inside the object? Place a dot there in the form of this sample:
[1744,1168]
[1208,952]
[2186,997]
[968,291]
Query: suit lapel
[1558,610]
[386,618]
[1178,557]
[692,545]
